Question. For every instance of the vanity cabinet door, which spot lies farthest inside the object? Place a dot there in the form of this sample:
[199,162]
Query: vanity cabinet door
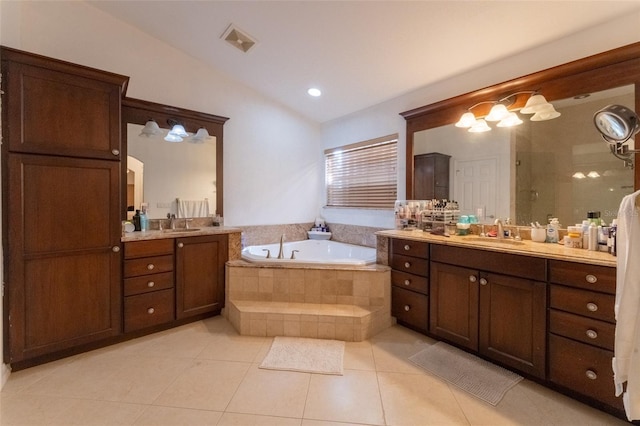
[63,277]
[512,322]
[453,304]
[61,109]
[200,274]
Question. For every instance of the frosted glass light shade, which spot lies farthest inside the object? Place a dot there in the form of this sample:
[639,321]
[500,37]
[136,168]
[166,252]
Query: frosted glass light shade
[548,112]
[479,127]
[534,104]
[466,120]
[150,129]
[172,137]
[498,112]
[511,120]
[178,130]
[201,135]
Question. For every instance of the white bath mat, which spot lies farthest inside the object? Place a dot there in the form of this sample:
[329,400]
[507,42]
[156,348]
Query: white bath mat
[474,375]
[305,355]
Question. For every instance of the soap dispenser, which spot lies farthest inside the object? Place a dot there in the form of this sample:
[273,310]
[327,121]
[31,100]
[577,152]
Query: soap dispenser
[552,230]
[144,222]
[136,221]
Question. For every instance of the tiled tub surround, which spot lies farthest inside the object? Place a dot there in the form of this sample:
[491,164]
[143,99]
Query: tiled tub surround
[351,234]
[329,303]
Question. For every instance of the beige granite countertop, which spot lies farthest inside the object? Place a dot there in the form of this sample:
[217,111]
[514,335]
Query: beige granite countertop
[168,233]
[524,247]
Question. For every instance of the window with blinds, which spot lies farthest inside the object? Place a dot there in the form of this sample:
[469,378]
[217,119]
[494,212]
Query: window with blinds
[363,174]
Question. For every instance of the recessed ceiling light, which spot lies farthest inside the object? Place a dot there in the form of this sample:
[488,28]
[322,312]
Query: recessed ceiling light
[314,92]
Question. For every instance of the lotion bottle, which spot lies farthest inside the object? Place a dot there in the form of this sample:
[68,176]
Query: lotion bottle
[593,237]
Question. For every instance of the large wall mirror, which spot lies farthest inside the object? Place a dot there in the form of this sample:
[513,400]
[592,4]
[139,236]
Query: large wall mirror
[539,169]
[160,172]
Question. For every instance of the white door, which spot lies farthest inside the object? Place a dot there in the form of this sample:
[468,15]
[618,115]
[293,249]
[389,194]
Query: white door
[475,186]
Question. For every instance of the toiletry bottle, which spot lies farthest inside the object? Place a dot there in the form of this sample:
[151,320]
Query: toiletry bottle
[593,237]
[585,234]
[552,231]
[613,237]
[136,221]
[144,222]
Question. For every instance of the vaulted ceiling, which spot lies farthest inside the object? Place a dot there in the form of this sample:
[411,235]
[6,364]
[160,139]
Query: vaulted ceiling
[359,53]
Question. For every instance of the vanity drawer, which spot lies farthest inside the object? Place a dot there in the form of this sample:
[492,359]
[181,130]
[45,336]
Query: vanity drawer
[135,249]
[149,309]
[587,330]
[410,248]
[412,265]
[148,265]
[147,283]
[410,282]
[410,308]
[582,302]
[590,277]
[582,368]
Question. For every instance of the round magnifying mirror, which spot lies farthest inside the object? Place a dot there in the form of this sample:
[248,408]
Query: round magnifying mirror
[616,123]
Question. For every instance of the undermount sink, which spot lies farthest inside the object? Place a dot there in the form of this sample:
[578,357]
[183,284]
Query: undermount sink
[181,230]
[493,240]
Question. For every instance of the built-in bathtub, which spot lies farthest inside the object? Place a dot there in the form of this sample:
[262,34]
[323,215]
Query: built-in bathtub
[311,252]
[330,290]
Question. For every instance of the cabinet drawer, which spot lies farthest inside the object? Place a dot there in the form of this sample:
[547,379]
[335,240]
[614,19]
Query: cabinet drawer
[410,282]
[410,248]
[147,283]
[587,330]
[412,265]
[590,277]
[410,307]
[582,368]
[148,265]
[146,310]
[583,302]
[148,248]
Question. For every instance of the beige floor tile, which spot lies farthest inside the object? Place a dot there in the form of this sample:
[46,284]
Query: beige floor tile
[19,380]
[233,348]
[353,397]
[271,393]
[171,416]
[393,347]
[418,399]
[238,419]
[90,412]
[206,385]
[358,356]
[309,422]
[22,409]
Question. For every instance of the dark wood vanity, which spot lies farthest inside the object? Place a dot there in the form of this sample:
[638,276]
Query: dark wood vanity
[70,284]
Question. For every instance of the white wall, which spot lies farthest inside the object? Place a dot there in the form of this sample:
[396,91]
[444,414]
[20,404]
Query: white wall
[273,172]
[384,119]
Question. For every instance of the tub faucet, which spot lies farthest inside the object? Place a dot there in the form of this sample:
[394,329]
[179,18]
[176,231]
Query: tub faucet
[500,228]
[281,252]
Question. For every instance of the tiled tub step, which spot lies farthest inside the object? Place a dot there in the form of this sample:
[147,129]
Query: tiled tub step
[318,320]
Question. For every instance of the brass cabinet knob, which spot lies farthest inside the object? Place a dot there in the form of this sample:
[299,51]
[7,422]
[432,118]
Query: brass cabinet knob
[115,152]
[592,334]
[407,308]
[407,247]
[151,266]
[407,265]
[591,374]
[115,249]
[407,282]
[591,279]
[150,311]
[150,284]
[483,281]
[592,307]
[473,278]
[180,245]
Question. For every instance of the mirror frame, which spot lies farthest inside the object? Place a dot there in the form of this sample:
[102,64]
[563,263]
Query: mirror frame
[137,111]
[614,68]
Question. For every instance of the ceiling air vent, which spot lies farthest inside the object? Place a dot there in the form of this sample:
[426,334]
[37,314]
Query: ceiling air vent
[238,38]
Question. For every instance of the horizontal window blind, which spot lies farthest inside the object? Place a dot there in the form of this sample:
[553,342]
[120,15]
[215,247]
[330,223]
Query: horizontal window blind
[363,174]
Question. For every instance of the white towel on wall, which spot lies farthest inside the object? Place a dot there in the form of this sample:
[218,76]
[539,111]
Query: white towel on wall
[193,208]
[626,357]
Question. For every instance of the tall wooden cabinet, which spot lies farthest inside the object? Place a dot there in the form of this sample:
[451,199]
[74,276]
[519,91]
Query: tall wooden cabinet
[61,204]
[431,176]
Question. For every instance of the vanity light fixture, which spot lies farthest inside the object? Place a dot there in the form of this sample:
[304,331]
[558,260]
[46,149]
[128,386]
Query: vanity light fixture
[200,137]
[150,129]
[617,124]
[177,132]
[536,105]
[579,175]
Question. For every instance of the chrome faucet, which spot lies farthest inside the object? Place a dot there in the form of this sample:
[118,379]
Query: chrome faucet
[500,228]
[281,252]
[172,220]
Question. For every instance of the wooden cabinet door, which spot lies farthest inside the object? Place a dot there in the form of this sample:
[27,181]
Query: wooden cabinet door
[54,108]
[63,277]
[453,304]
[431,176]
[200,274]
[512,322]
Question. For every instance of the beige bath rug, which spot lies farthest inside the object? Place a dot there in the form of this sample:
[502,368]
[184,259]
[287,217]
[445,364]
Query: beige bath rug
[474,375]
[305,355]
